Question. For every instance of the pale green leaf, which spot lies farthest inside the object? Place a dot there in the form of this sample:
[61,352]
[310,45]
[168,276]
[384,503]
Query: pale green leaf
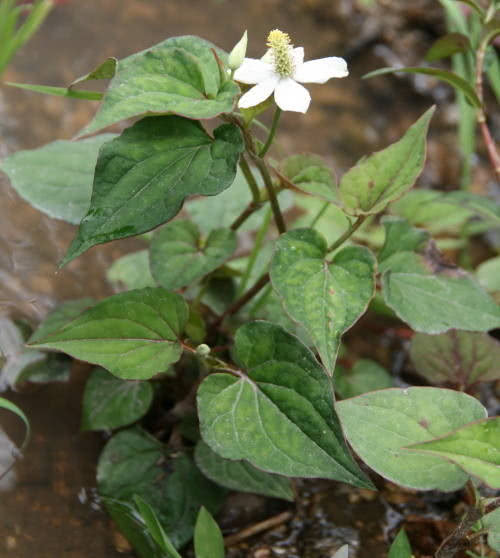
[379,425]
[400,547]
[56,178]
[474,447]
[131,271]
[135,335]
[366,375]
[208,541]
[491,521]
[400,236]
[381,178]
[309,173]
[325,297]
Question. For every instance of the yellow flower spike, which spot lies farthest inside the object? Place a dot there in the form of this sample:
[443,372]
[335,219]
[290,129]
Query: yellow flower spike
[281,48]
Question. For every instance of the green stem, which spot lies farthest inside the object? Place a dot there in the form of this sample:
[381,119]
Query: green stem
[272,133]
[350,231]
[268,183]
[249,177]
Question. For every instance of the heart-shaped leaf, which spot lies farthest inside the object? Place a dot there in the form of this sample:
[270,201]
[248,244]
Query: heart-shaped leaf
[381,424]
[56,178]
[180,75]
[240,475]
[325,297]
[433,296]
[279,414]
[310,174]
[134,334]
[143,176]
[179,256]
[377,180]
[131,271]
[109,402]
[459,357]
[475,448]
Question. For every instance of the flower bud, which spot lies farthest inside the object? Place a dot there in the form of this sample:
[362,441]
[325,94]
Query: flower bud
[203,350]
[237,55]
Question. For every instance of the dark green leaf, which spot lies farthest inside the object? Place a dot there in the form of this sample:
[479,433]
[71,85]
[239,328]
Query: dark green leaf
[240,475]
[143,176]
[458,357]
[325,297]
[179,255]
[134,463]
[279,415]
[155,529]
[384,176]
[208,541]
[59,91]
[310,174]
[475,447]
[400,547]
[109,402]
[448,45]
[458,82]
[400,236]
[179,75]
[366,375]
[381,424]
[56,178]
[134,334]
[433,296]
[131,271]
[13,408]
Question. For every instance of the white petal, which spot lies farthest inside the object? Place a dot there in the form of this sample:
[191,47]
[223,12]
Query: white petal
[253,71]
[268,58]
[298,56]
[321,70]
[290,95]
[258,93]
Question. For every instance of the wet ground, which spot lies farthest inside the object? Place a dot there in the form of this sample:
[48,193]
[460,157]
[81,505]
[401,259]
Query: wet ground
[50,512]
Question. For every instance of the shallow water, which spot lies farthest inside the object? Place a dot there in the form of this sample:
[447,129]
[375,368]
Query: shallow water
[50,513]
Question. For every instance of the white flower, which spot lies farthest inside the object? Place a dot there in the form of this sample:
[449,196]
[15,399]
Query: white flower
[280,70]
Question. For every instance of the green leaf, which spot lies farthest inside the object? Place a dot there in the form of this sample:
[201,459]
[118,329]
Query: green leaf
[208,541]
[128,521]
[482,206]
[400,236]
[58,91]
[56,178]
[366,375]
[488,274]
[279,415]
[456,81]
[131,271]
[179,75]
[491,521]
[13,408]
[179,255]
[433,296]
[473,4]
[109,402]
[134,463]
[446,46]
[143,176]
[458,357]
[309,173]
[134,334]
[384,176]
[240,475]
[475,448]
[60,316]
[381,424]
[105,70]
[154,527]
[400,547]
[325,297]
